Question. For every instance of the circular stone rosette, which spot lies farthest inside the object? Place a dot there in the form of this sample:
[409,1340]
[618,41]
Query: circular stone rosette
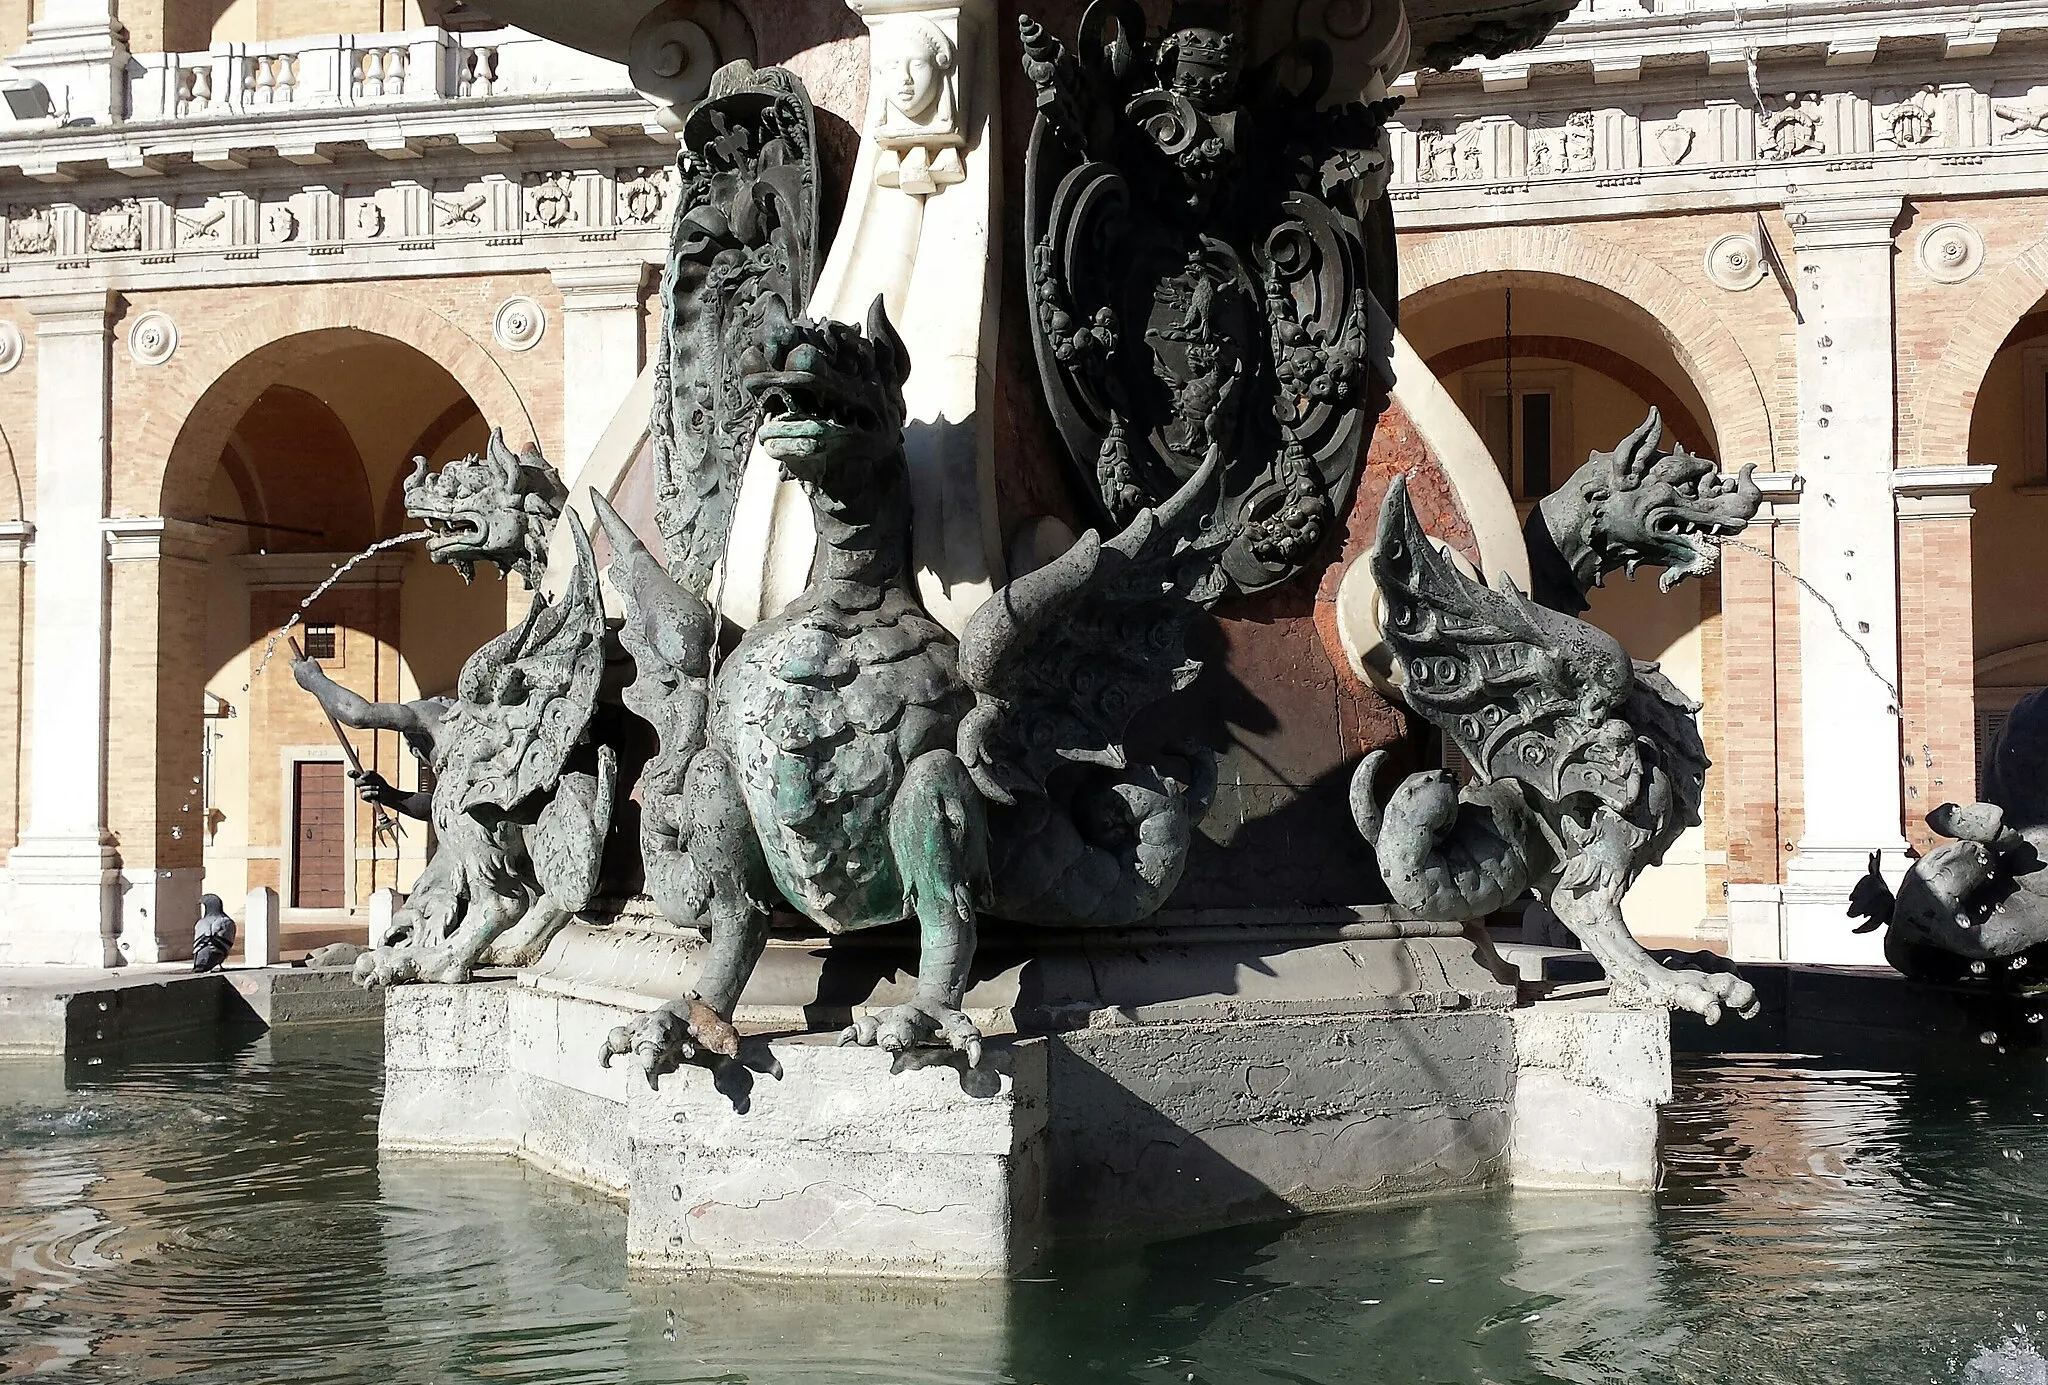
[1735,263]
[519,324]
[152,338]
[1951,251]
[10,347]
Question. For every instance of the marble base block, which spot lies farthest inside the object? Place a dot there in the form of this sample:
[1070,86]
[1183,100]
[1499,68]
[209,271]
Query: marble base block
[1589,1079]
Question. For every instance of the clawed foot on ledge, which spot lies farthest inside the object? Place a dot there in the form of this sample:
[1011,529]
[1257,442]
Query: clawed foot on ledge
[679,1032]
[1705,993]
[399,966]
[917,1024]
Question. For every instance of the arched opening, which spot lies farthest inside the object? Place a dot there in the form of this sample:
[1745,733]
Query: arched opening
[311,473]
[1550,370]
[2009,427]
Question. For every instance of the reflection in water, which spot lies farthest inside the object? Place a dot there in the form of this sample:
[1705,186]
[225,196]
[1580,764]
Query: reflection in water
[224,1216]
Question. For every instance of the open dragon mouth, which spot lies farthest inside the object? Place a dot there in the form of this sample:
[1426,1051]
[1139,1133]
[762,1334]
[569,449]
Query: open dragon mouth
[451,532]
[1686,543]
[806,415]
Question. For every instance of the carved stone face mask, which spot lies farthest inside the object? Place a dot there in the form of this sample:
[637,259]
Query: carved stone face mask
[910,76]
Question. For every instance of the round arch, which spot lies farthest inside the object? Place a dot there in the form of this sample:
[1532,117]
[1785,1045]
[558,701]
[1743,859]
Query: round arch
[230,367]
[1618,278]
[1947,397]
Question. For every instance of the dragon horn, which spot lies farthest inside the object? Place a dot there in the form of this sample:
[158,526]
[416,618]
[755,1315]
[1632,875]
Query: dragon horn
[419,471]
[1639,448]
[502,454]
[627,550]
[882,333]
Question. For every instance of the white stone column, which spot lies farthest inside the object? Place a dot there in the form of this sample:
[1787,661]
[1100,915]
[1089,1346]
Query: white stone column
[919,230]
[1848,553]
[601,356]
[78,50]
[65,900]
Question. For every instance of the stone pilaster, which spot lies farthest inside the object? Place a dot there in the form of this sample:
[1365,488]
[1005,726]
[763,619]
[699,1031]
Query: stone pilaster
[601,340]
[156,681]
[1852,784]
[1937,644]
[1760,716]
[65,905]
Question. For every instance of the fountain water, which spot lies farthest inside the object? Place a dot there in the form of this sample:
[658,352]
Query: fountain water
[270,646]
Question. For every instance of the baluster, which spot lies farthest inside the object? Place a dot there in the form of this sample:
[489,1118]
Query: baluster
[288,76]
[247,68]
[263,78]
[187,79]
[202,86]
[400,59]
[490,66]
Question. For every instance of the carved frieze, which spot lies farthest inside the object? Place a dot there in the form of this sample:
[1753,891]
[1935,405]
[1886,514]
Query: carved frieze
[1565,149]
[1204,238]
[1792,130]
[1731,133]
[115,227]
[643,196]
[550,201]
[1912,122]
[31,231]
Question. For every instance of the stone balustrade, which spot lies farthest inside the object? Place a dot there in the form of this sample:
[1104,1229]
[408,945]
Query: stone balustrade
[329,71]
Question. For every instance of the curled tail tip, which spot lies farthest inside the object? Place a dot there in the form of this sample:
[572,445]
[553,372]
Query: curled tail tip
[1366,811]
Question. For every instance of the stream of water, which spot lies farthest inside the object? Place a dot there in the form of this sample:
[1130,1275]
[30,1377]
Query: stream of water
[224,1216]
[270,645]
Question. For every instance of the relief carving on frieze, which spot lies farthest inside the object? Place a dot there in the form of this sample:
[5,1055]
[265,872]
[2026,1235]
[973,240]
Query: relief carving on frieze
[1204,242]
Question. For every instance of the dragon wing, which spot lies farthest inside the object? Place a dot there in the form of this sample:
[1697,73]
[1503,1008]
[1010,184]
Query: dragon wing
[524,701]
[742,259]
[1524,693]
[1064,658]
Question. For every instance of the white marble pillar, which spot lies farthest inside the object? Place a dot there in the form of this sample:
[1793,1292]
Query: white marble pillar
[65,896]
[919,231]
[78,50]
[1851,778]
[601,355]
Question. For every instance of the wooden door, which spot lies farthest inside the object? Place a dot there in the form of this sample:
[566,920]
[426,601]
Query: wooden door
[319,835]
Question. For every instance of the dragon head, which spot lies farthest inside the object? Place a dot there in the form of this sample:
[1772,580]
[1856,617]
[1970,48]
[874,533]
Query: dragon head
[1640,504]
[831,399]
[499,508]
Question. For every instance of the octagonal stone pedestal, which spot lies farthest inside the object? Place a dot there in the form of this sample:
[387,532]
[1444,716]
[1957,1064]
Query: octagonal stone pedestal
[1149,1118]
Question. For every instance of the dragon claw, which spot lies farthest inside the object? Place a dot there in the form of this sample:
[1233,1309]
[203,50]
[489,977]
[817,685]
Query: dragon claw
[679,1032]
[1709,995]
[916,1024]
[404,965]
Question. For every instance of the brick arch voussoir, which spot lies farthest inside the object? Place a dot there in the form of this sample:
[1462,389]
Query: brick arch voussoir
[1705,350]
[232,365]
[1947,396]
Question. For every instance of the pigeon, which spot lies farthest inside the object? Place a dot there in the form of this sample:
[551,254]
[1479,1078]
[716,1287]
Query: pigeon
[214,936]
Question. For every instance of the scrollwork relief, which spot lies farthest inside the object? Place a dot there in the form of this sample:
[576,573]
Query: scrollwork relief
[1199,278]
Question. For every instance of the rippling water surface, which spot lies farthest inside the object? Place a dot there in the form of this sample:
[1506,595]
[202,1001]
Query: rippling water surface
[224,1216]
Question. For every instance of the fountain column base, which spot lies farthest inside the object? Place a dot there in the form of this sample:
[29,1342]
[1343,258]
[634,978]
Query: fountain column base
[1231,1076]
